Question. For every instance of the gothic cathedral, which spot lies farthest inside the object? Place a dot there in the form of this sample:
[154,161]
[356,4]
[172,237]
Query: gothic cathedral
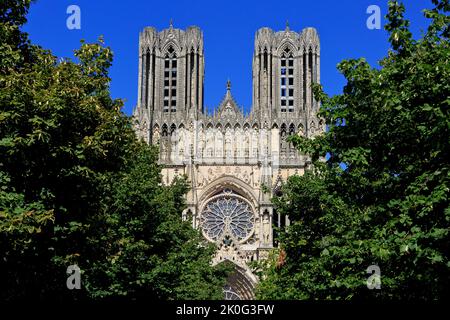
[235,161]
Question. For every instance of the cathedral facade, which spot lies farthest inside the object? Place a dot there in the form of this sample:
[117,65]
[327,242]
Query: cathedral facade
[235,161]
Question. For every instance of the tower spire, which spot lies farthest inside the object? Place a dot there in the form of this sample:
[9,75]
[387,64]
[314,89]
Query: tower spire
[228,94]
[287,25]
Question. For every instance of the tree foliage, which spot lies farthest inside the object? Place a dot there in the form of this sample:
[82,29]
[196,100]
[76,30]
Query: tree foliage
[389,205]
[77,187]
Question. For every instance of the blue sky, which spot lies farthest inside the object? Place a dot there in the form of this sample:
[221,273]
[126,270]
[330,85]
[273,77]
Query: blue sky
[228,27]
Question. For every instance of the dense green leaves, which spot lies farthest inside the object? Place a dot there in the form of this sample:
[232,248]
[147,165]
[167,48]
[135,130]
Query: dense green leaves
[77,187]
[389,206]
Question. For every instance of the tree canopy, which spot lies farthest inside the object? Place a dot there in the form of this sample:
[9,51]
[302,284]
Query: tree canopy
[388,205]
[78,188]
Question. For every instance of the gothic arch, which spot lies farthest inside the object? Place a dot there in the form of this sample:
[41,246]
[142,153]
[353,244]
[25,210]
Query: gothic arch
[277,185]
[283,129]
[170,44]
[291,129]
[312,128]
[165,131]
[301,129]
[241,281]
[187,215]
[230,182]
[193,48]
[287,44]
[173,128]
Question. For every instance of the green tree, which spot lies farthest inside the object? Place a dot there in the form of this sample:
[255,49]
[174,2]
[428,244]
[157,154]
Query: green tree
[77,187]
[151,252]
[389,205]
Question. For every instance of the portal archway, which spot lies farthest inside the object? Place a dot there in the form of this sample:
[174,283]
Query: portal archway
[228,182]
[240,285]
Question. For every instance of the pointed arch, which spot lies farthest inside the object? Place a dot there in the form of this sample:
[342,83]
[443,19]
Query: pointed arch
[312,127]
[277,186]
[171,44]
[241,284]
[170,63]
[286,46]
[301,129]
[291,129]
[165,130]
[287,76]
[173,128]
[230,182]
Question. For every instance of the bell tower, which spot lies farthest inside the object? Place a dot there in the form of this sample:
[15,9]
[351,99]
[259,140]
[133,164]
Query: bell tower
[171,78]
[285,63]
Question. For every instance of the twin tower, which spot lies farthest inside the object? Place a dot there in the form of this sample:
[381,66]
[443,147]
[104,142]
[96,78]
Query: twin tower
[172,72]
[234,162]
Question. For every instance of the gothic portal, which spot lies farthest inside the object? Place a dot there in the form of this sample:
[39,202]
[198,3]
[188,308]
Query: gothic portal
[235,161]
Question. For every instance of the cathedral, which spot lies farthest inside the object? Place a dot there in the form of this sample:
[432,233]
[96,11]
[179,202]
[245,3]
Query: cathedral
[235,162]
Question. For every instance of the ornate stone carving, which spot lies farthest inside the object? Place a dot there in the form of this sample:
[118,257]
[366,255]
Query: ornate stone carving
[227,217]
[266,227]
[156,135]
[201,180]
[241,150]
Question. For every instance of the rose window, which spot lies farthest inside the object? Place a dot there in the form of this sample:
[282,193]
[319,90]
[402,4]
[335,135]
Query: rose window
[227,215]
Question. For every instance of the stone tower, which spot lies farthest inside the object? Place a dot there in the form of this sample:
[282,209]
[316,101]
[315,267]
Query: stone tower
[171,73]
[235,162]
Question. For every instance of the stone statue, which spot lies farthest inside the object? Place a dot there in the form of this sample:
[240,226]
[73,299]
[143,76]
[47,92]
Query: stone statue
[266,227]
[201,179]
[156,135]
[246,177]
[210,174]
[171,103]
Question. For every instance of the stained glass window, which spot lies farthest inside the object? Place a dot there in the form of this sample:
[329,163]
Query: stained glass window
[227,214]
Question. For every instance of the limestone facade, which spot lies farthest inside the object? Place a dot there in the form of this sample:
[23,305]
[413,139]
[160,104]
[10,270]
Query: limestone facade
[235,161]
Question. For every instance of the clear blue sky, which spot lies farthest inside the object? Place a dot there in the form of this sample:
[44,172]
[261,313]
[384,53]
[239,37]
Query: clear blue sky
[229,28]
